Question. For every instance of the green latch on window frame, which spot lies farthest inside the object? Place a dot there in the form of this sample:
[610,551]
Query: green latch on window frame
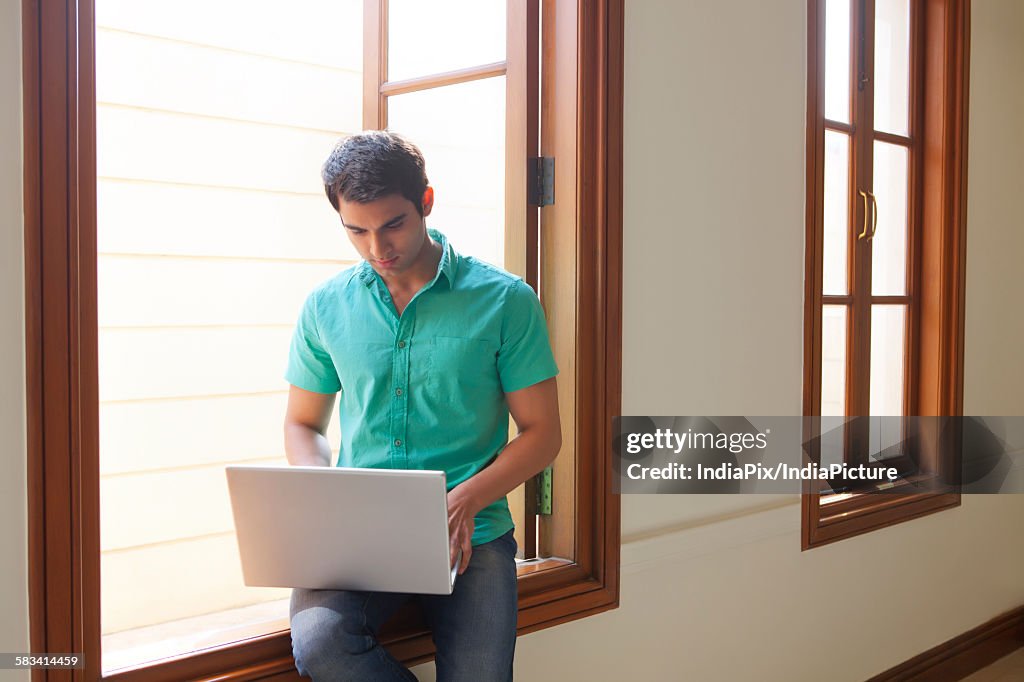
[544,492]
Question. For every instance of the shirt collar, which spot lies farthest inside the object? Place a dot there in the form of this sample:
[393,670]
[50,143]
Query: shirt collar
[447,266]
[449,262]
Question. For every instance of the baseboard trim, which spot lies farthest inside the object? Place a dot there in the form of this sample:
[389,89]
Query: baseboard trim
[959,657]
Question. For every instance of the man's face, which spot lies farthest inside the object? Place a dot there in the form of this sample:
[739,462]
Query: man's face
[389,232]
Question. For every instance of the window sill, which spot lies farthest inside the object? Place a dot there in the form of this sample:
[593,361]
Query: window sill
[827,521]
[551,591]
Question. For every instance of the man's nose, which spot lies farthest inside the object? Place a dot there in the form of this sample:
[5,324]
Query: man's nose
[378,245]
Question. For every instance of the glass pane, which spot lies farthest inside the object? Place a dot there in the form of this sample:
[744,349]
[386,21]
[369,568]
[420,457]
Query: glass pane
[889,245]
[211,112]
[837,60]
[888,355]
[886,438]
[833,360]
[443,35]
[892,65]
[836,212]
[461,131]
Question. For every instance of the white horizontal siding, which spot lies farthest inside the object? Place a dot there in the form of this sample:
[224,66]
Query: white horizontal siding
[167,505]
[139,364]
[212,121]
[142,144]
[187,291]
[166,582]
[141,217]
[326,32]
[172,434]
[152,73]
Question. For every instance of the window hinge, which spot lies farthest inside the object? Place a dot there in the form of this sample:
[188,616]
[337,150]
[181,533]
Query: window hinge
[543,502]
[540,181]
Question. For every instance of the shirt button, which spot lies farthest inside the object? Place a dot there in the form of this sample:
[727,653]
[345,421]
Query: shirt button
[398,442]
[398,391]
[401,344]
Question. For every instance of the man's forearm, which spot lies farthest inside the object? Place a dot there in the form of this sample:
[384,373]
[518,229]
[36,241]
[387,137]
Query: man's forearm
[524,457]
[305,446]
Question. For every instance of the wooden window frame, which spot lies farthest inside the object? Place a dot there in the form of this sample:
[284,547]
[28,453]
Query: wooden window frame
[61,341]
[937,204]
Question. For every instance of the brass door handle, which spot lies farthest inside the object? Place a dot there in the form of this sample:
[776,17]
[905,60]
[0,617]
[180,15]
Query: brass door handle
[864,233]
[874,215]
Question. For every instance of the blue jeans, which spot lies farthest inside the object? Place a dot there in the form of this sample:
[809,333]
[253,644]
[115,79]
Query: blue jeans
[334,632]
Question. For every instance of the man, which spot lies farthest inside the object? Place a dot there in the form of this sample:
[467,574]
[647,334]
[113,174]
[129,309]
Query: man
[430,352]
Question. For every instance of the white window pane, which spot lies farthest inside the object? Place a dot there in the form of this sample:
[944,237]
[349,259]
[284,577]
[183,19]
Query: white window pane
[837,60]
[443,35]
[888,357]
[836,223]
[892,65]
[833,360]
[461,131]
[888,385]
[889,245]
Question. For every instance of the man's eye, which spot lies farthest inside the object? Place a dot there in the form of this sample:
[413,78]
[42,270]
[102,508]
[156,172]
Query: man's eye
[394,227]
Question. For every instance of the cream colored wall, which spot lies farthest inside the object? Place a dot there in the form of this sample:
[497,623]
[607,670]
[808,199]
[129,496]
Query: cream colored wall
[13,511]
[995,243]
[712,272]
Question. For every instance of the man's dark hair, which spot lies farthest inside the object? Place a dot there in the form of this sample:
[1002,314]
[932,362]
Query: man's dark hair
[373,164]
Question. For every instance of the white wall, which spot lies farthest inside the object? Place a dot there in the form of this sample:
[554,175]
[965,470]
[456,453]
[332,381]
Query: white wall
[13,500]
[995,221]
[713,267]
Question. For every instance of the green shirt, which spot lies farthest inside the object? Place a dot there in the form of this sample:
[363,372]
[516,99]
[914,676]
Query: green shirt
[425,390]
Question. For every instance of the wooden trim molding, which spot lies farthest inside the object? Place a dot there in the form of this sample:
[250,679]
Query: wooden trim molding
[440,80]
[33,320]
[375,63]
[962,655]
[62,360]
[60,214]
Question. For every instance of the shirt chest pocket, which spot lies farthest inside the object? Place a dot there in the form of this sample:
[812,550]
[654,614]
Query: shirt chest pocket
[458,363]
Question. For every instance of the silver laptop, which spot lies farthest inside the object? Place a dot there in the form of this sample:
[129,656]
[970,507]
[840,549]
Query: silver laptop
[339,528]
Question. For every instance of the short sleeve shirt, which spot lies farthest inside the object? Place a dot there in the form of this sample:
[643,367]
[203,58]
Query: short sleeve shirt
[425,390]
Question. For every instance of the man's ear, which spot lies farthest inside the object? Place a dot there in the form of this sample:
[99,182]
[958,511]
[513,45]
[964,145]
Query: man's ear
[428,200]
